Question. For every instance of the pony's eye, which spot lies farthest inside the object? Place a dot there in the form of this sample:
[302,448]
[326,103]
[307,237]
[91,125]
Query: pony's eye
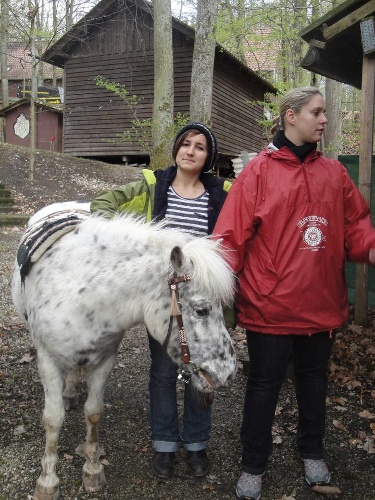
[202,312]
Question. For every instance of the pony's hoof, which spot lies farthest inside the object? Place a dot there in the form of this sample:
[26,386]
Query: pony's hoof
[94,481]
[46,492]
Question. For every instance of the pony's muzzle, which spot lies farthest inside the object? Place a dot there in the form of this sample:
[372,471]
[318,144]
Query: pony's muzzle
[206,381]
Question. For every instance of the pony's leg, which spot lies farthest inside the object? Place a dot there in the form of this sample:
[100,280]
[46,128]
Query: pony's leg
[47,485]
[93,470]
[70,393]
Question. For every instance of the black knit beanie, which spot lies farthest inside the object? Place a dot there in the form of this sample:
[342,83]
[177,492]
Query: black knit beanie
[212,149]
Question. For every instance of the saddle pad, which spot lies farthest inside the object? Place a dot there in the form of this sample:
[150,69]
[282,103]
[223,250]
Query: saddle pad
[43,233]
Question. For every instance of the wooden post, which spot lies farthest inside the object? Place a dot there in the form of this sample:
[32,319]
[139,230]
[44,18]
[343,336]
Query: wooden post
[364,178]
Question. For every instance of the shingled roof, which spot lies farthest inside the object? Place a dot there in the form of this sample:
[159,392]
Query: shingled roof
[19,63]
[261,50]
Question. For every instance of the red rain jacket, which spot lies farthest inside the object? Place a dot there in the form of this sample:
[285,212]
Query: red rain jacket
[289,227]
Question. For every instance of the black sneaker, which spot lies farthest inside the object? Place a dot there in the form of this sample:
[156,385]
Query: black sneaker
[162,464]
[198,463]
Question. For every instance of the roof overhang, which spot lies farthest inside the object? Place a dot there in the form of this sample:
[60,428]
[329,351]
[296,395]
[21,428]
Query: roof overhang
[335,42]
[26,100]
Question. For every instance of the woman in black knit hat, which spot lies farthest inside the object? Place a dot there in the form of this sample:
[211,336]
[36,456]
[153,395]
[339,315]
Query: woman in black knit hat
[190,197]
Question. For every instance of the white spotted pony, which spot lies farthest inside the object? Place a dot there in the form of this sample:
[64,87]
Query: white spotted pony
[94,283]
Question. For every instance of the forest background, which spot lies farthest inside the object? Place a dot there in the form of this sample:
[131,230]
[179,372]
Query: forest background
[246,28]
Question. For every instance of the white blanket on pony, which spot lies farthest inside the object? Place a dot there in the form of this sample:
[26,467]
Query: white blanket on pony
[44,230]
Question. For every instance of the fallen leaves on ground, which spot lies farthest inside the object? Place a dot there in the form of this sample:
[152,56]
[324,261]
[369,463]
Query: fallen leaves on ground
[339,425]
[353,358]
[369,445]
[26,358]
[327,490]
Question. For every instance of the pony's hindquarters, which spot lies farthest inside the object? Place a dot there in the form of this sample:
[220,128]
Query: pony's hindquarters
[56,323]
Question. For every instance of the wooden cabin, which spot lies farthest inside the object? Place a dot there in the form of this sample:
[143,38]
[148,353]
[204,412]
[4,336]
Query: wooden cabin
[48,125]
[115,40]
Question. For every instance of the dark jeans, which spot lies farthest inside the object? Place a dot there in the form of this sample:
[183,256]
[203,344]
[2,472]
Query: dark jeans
[163,407]
[269,356]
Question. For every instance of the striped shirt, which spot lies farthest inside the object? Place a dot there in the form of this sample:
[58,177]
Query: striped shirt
[188,214]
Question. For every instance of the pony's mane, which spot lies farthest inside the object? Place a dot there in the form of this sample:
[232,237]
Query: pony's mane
[209,257]
[123,224]
[211,268]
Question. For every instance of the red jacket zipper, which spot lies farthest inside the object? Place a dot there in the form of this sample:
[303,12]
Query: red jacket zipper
[307,183]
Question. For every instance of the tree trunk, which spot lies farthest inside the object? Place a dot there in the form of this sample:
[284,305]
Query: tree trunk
[31,15]
[69,14]
[4,63]
[299,21]
[4,52]
[240,34]
[40,26]
[162,120]
[54,25]
[203,62]
[332,133]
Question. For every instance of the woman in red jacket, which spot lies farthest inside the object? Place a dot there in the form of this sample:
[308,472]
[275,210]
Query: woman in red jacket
[290,220]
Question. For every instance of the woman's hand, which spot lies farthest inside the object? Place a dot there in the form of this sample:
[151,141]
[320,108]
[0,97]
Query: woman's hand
[371,256]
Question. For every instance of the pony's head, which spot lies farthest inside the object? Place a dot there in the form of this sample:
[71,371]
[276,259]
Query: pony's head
[201,283]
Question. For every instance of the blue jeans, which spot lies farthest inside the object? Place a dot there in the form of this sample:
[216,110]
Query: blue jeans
[163,407]
[269,356]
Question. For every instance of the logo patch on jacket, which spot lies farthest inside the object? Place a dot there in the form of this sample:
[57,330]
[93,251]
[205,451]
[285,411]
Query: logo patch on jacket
[312,232]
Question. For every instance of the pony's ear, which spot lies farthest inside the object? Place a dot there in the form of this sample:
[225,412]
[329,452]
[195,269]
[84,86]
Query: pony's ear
[178,259]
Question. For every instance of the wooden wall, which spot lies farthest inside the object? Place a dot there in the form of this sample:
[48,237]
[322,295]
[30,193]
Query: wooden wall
[235,109]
